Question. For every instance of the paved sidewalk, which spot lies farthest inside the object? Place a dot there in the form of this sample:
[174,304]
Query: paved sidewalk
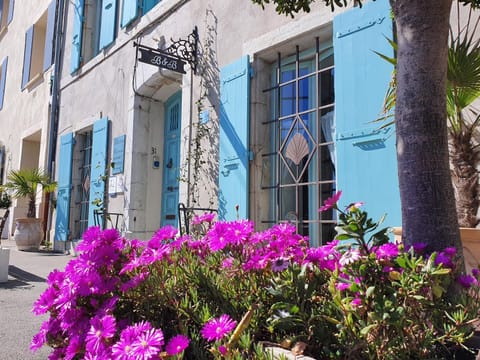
[27,275]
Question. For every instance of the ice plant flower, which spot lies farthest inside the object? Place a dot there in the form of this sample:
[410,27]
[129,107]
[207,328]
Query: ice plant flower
[466,281]
[280,264]
[331,202]
[100,331]
[205,218]
[387,251]
[349,257]
[177,344]
[218,328]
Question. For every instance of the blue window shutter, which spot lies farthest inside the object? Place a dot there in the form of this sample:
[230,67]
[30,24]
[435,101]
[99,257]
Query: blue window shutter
[108,23]
[48,54]
[366,156]
[3,77]
[77,34]
[1,10]
[234,134]
[148,5]
[10,11]
[27,58]
[64,187]
[98,166]
[129,12]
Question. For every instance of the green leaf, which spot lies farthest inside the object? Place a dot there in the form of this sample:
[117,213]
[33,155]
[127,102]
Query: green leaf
[367,329]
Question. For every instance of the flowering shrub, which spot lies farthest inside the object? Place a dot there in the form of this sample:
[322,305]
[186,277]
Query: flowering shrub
[224,293]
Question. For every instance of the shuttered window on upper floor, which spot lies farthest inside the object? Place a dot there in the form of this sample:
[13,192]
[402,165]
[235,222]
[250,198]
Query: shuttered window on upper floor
[131,9]
[6,14]
[3,79]
[94,29]
[38,53]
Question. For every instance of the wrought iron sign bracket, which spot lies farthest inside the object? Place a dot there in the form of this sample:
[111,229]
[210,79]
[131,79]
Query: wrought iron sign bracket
[185,49]
[173,57]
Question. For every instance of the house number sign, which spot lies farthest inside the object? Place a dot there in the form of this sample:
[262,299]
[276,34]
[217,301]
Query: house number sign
[158,58]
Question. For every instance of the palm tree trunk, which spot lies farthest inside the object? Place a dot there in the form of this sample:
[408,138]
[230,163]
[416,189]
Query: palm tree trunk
[464,177]
[426,192]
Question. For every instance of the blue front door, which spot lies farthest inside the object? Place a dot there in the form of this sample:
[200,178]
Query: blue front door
[171,160]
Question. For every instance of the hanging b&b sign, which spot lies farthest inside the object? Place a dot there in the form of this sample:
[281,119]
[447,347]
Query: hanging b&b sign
[159,58]
[174,57]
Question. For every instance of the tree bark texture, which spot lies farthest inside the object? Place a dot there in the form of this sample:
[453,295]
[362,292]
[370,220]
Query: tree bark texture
[463,157]
[426,192]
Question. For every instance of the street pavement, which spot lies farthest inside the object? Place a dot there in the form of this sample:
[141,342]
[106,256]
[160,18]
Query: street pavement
[28,272]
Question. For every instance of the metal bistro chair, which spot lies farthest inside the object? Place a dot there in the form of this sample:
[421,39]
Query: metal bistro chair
[185,214]
[3,221]
[103,219]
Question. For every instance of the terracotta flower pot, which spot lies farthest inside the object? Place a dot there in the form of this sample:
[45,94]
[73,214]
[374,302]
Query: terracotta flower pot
[28,233]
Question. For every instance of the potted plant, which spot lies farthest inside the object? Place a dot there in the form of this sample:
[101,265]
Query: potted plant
[5,203]
[24,184]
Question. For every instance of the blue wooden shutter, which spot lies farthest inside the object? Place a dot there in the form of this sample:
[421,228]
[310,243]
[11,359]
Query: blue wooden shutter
[1,10]
[98,165]
[76,53]
[108,22]
[3,77]
[234,134]
[48,54]
[27,58]
[148,5]
[10,11]
[366,156]
[129,12]
[64,187]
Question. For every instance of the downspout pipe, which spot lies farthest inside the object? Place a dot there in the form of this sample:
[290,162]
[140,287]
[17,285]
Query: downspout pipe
[55,97]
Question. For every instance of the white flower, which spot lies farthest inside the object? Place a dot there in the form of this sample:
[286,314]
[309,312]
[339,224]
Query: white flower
[349,257]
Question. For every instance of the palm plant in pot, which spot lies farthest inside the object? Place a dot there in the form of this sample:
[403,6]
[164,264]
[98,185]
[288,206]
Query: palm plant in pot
[24,184]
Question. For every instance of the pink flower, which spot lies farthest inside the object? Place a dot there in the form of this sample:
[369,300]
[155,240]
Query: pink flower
[218,328]
[177,344]
[227,263]
[466,281]
[354,206]
[349,257]
[280,264]
[100,331]
[331,202]
[207,217]
[387,251]
[148,344]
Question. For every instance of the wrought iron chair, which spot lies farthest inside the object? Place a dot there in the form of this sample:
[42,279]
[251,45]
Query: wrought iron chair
[107,220]
[3,221]
[185,214]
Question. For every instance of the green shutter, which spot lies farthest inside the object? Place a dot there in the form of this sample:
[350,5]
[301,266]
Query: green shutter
[76,52]
[234,133]
[129,12]
[108,23]
[64,188]
[98,170]
[366,156]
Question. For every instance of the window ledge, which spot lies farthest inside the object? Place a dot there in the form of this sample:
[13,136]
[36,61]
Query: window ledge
[34,81]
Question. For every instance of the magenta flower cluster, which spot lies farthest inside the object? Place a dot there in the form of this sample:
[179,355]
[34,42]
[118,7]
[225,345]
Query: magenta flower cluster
[84,300]
[82,303]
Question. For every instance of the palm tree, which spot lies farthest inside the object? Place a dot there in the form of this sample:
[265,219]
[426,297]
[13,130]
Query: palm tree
[463,88]
[24,184]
